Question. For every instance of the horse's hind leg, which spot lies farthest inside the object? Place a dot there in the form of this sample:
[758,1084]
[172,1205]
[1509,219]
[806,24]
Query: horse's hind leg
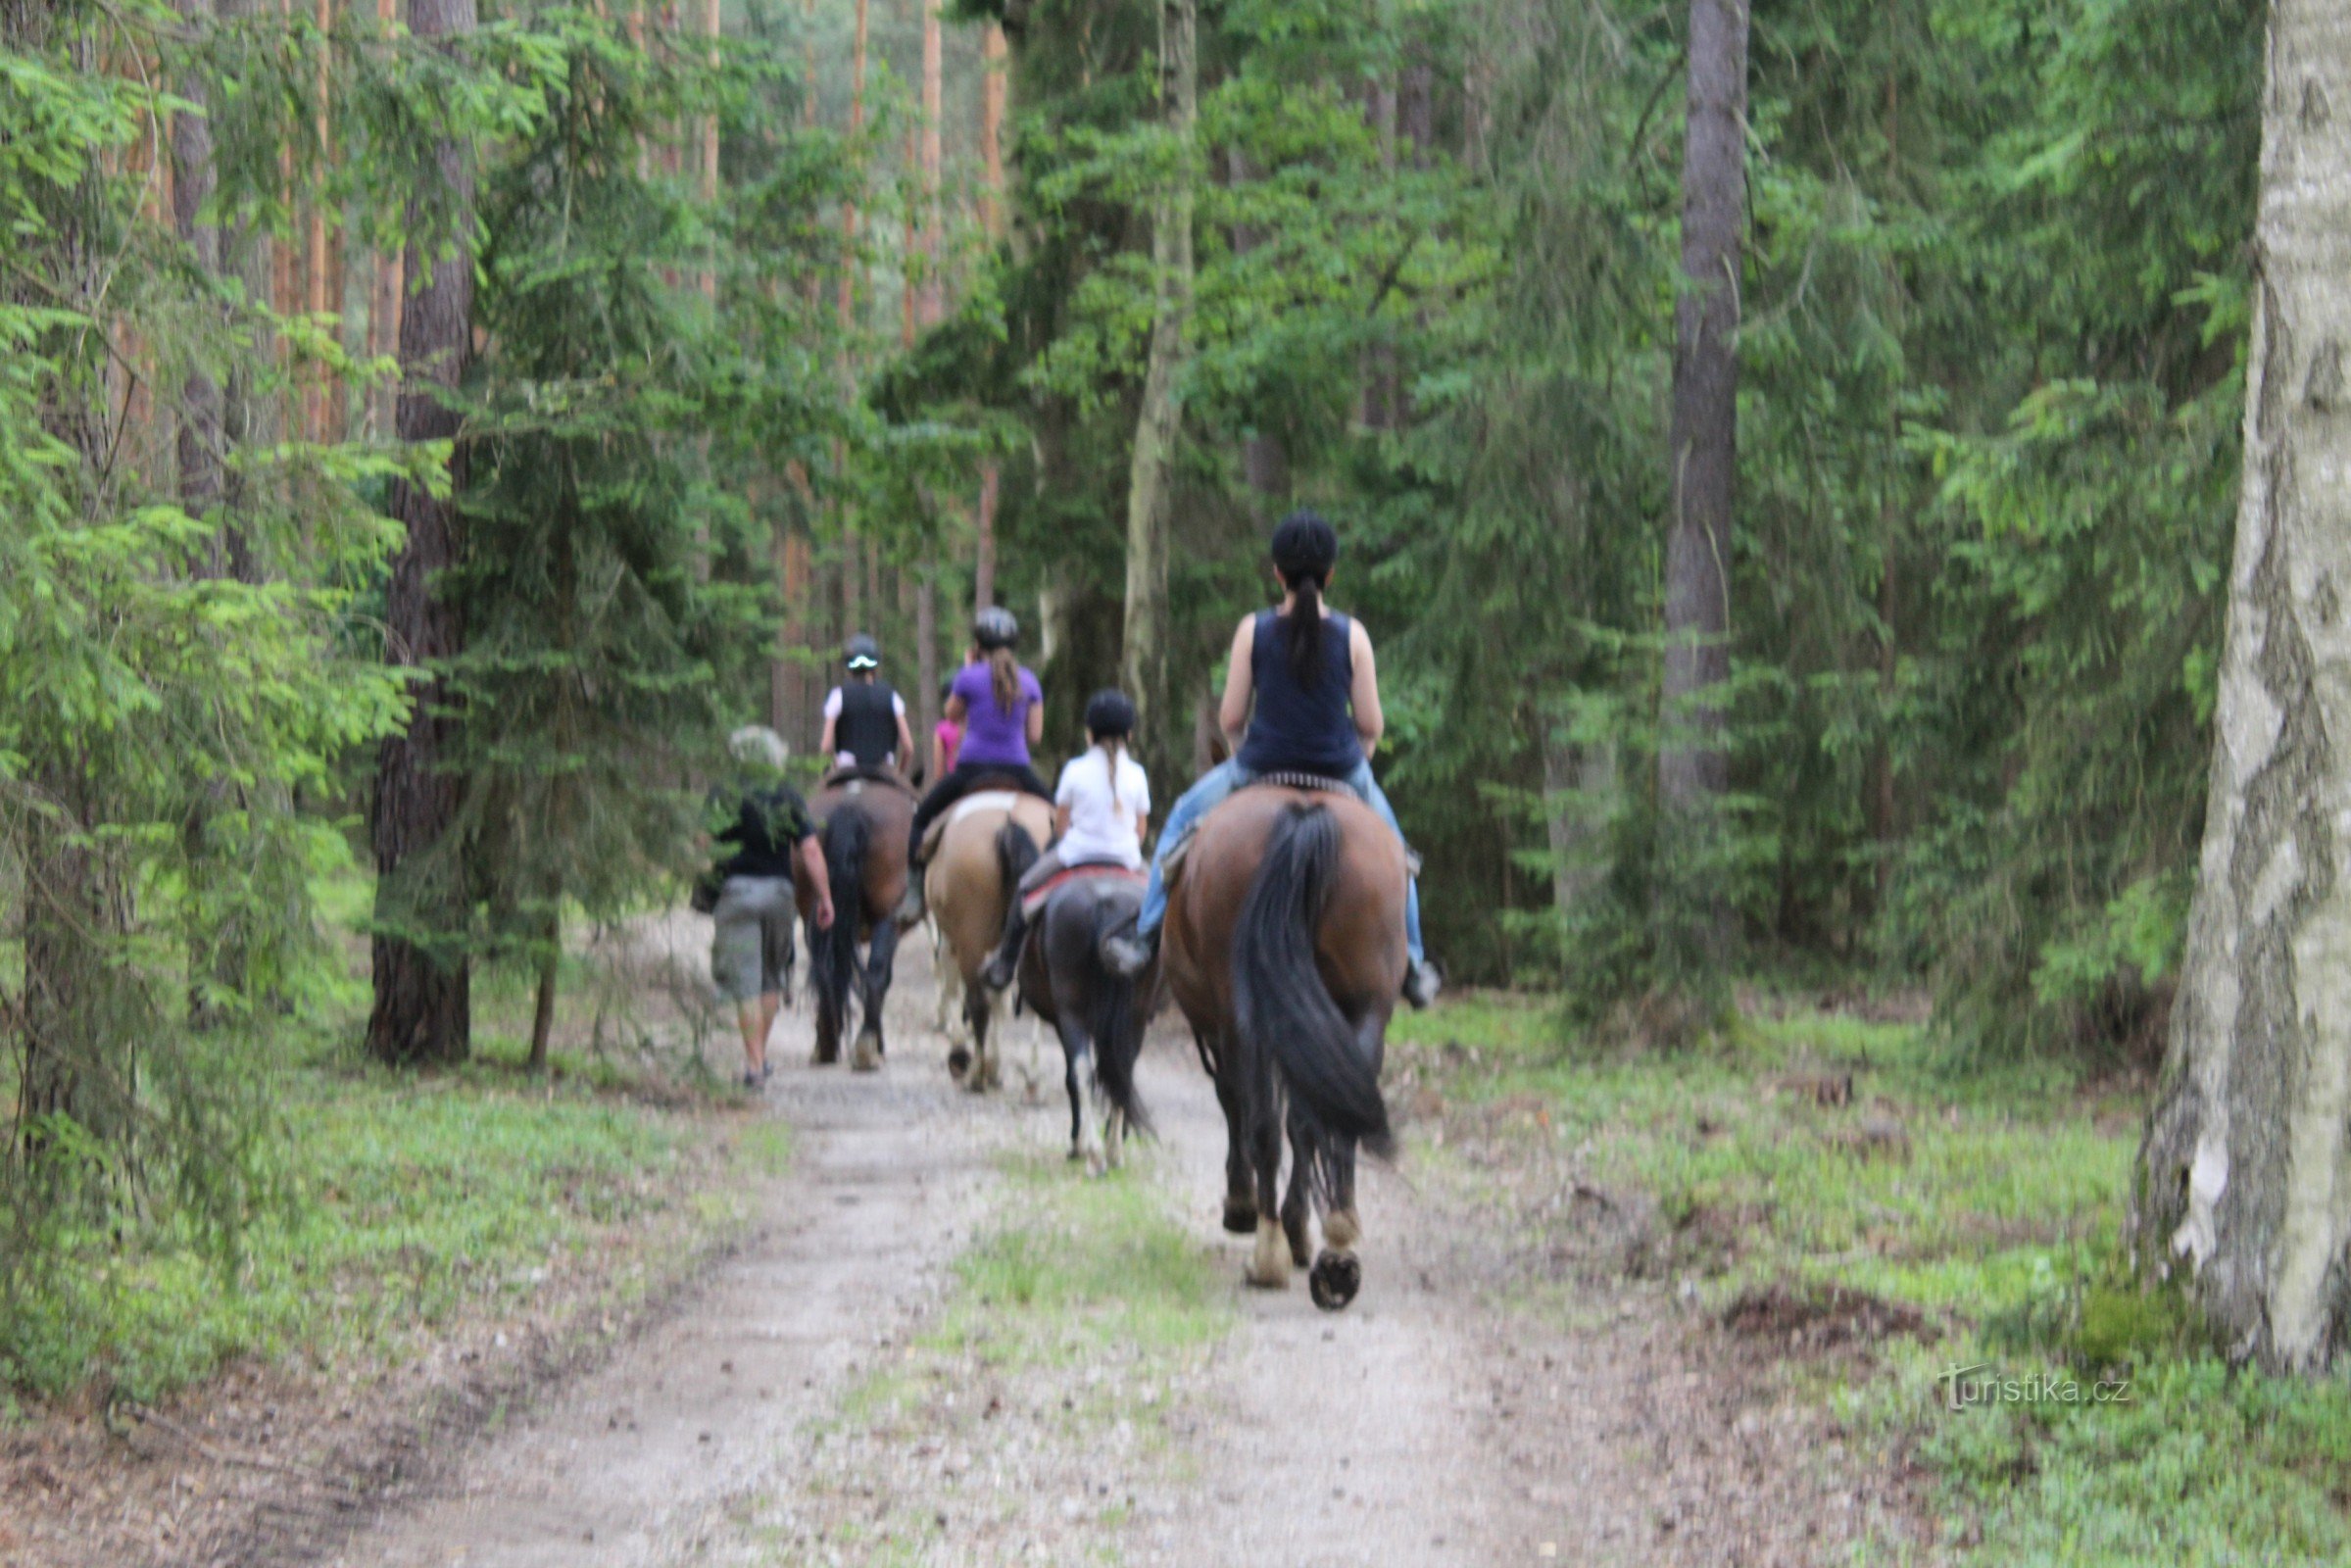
[1240,1182]
[1269,1269]
[879,959]
[1296,1201]
[1081,1078]
[984,1074]
[1337,1274]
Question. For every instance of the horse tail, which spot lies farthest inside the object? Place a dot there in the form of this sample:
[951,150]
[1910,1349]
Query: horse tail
[833,966]
[1280,1001]
[1114,1018]
[1015,853]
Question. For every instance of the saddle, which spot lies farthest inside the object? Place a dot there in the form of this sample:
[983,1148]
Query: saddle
[1172,867]
[1035,900]
[843,777]
[983,800]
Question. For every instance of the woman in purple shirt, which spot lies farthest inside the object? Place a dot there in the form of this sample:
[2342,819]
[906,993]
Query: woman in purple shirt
[1002,707]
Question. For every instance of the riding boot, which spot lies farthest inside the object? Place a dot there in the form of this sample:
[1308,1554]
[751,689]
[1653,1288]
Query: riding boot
[1422,981]
[1130,953]
[911,908]
[1003,965]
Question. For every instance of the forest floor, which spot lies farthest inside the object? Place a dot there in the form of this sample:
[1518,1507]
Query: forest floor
[931,1340]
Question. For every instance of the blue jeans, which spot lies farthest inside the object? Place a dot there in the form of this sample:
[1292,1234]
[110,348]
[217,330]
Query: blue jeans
[1218,783]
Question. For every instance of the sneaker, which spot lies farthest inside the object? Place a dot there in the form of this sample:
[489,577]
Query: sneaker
[1128,954]
[1422,981]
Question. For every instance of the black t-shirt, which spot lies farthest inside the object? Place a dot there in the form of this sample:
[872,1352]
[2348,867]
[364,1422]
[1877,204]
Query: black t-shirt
[769,825]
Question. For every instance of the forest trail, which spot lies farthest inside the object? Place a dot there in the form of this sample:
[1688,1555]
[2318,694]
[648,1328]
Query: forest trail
[1425,1426]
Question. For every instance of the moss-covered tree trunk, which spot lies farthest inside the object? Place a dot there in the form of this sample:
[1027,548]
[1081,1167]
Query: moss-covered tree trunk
[421,1010]
[1149,498]
[2246,1178]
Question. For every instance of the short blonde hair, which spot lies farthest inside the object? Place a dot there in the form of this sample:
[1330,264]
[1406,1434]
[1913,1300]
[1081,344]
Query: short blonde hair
[759,745]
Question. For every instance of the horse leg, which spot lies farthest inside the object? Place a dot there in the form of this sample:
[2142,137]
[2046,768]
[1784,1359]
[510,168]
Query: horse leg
[1084,1089]
[976,1016]
[1239,1185]
[949,1013]
[1269,1269]
[879,959]
[1296,1201]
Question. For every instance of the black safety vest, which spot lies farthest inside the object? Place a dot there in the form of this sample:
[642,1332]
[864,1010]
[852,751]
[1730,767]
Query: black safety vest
[867,728]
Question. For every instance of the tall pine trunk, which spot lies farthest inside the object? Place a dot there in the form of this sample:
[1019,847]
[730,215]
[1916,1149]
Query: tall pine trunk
[995,82]
[1150,501]
[2245,1173]
[1693,765]
[421,1010]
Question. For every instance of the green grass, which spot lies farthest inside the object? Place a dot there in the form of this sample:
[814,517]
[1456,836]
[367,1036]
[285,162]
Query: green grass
[1996,1211]
[402,1202]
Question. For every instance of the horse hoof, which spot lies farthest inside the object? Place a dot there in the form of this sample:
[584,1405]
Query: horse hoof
[1266,1279]
[958,1062]
[821,1058]
[867,1056]
[1240,1219]
[1335,1280]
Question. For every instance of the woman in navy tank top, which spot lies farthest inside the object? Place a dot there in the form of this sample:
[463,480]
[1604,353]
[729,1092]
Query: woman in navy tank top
[1303,682]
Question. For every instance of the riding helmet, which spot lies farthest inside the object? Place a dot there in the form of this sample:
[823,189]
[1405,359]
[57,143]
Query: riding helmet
[993,627]
[863,652]
[1109,714]
[1305,545]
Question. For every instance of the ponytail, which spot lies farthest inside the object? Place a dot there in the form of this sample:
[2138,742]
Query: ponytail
[1116,750]
[1302,631]
[1003,678]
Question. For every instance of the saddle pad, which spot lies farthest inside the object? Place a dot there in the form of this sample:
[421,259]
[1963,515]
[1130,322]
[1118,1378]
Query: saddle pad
[985,801]
[1036,899]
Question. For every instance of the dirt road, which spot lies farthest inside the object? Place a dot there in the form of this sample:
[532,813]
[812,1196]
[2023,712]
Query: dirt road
[1425,1426]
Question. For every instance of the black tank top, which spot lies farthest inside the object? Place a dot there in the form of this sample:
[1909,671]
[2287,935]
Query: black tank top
[1298,729]
[867,728]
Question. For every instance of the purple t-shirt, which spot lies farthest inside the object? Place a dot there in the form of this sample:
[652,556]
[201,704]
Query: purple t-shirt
[990,734]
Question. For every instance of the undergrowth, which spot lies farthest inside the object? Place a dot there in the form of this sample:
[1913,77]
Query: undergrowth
[1800,1150]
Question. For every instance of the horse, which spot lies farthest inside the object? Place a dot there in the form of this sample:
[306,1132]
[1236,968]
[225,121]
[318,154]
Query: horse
[1284,948]
[988,840]
[864,816]
[1099,1015]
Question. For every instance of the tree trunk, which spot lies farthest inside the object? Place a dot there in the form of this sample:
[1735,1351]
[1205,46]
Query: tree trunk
[1376,367]
[421,1010]
[927,667]
[2246,1176]
[542,1012]
[194,178]
[934,298]
[983,561]
[993,81]
[1143,658]
[1264,461]
[1693,765]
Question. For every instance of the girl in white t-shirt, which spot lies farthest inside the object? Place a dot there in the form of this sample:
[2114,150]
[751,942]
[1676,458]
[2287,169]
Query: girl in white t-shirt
[1102,807]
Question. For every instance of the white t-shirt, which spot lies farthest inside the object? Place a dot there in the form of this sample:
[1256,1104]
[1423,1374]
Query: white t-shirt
[832,709]
[1099,830]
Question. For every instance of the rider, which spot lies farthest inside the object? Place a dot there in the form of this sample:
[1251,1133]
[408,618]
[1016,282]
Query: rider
[1102,807]
[999,704]
[1317,694]
[865,717]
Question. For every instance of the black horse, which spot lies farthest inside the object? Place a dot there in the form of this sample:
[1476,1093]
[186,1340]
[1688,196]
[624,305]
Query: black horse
[1098,1015]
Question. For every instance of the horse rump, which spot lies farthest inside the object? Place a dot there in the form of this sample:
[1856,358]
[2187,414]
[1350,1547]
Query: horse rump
[1281,1006]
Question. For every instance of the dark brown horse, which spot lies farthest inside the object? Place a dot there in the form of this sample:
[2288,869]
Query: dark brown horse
[863,820]
[1096,1012]
[1284,948]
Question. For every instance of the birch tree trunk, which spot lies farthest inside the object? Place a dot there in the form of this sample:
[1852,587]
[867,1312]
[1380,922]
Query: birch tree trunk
[1144,660]
[1693,766]
[422,1005]
[2245,1179]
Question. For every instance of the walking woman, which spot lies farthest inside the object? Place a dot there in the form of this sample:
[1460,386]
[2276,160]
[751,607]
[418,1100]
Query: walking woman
[1102,809]
[999,704]
[1310,672]
[750,944]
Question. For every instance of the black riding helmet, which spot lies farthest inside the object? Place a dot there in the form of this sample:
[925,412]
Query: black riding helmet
[863,652]
[993,627]
[1305,545]
[1109,715]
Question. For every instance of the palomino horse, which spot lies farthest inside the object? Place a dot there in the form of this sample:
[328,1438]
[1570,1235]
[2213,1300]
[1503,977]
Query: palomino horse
[1096,1012]
[865,819]
[988,840]
[1284,948]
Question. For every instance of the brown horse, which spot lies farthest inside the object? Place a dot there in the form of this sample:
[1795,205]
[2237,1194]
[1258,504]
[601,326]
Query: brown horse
[1284,948]
[990,840]
[863,822]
